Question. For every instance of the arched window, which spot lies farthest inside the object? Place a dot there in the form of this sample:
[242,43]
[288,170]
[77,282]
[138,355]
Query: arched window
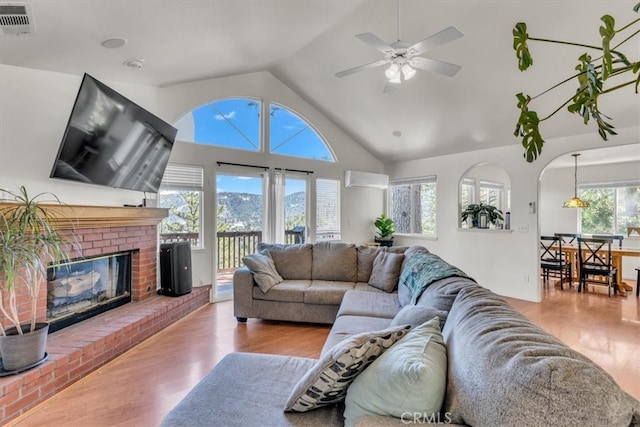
[235,123]
[291,135]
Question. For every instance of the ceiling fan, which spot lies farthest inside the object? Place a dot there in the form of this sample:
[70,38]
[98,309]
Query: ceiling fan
[404,58]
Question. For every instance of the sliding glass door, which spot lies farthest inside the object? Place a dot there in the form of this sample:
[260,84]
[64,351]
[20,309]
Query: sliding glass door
[240,224]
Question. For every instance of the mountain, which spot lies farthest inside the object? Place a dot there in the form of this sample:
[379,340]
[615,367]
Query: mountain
[243,211]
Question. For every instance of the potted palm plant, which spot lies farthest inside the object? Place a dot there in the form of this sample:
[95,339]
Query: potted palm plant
[29,240]
[475,211]
[385,227]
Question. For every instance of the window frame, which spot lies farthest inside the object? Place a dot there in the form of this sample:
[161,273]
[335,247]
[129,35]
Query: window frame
[185,180]
[328,234]
[610,185]
[418,181]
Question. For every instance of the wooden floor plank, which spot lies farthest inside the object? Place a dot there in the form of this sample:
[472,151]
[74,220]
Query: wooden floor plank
[141,386]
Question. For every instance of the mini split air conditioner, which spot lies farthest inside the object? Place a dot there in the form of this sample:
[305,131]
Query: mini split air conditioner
[366,179]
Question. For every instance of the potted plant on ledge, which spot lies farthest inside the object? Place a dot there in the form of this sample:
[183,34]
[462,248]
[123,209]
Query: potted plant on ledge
[476,211]
[385,227]
[29,241]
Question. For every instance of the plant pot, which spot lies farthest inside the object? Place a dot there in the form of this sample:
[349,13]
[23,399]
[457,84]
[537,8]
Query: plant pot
[20,351]
[384,242]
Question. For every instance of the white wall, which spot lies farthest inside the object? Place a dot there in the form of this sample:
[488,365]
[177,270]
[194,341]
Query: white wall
[34,109]
[506,263]
[35,106]
[359,206]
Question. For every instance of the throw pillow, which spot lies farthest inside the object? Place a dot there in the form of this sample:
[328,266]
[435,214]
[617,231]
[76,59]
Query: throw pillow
[386,270]
[327,381]
[263,269]
[415,315]
[408,380]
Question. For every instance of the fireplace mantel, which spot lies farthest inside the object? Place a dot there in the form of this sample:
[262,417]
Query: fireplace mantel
[84,216]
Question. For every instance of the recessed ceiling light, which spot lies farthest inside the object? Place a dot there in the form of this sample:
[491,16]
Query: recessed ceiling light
[114,42]
[134,62]
[396,133]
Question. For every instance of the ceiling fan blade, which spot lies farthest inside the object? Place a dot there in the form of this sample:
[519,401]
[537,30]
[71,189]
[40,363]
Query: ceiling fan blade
[447,35]
[375,42]
[435,65]
[369,66]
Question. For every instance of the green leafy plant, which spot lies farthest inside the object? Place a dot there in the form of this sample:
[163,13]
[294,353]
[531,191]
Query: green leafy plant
[592,73]
[29,241]
[385,227]
[475,209]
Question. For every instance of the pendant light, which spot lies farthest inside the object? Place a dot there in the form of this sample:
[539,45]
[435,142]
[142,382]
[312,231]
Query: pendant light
[575,202]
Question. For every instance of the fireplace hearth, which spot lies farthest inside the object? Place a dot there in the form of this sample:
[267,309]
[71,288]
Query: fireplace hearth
[84,288]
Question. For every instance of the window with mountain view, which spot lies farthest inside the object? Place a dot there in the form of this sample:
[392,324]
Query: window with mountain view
[236,123]
[181,192]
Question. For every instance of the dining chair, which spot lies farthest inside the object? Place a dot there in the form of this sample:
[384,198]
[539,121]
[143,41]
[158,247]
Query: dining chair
[553,260]
[618,237]
[567,238]
[594,255]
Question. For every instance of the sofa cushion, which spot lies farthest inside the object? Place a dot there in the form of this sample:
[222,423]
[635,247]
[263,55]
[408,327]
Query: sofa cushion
[386,270]
[441,294]
[531,375]
[415,315]
[248,389]
[365,303]
[326,292]
[409,378]
[421,270]
[347,326]
[293,262]
[327,381]
[366,287]
[366,254]
[334,261]
[263,269]
[287,291]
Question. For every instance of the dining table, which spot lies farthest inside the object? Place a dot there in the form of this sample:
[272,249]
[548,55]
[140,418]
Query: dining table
[617,253]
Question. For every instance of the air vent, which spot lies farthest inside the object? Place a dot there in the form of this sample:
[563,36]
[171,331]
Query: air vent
[16,19]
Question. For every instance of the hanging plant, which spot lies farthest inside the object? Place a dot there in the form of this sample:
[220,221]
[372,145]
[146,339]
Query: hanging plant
[592,73]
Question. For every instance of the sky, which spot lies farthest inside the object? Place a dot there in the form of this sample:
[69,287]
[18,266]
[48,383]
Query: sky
[235,123]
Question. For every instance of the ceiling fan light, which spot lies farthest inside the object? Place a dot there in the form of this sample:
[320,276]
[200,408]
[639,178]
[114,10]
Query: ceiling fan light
[396,79]
[408,72]
[393,72]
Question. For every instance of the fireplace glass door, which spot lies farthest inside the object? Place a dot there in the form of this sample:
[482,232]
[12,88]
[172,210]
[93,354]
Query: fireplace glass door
[86,287]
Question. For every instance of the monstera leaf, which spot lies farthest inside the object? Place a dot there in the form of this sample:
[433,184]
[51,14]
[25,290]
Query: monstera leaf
[591,77]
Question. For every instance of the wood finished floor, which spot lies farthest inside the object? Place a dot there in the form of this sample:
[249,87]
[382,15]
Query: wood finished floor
[141,386]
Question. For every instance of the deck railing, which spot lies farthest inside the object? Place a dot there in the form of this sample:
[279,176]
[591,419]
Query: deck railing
[234,245]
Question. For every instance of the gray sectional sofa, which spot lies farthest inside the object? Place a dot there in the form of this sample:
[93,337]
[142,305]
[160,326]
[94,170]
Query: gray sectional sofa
[315,277]
[500,369]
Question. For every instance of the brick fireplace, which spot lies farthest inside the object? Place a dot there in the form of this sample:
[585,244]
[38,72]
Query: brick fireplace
[83,347]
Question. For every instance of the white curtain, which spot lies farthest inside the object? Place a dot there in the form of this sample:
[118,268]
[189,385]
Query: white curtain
[274,207]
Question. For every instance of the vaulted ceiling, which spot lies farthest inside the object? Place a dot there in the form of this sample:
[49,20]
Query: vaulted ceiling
[304,43]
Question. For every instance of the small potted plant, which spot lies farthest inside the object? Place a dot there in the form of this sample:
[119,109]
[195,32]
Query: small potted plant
[29,241]
[476,210]
[385,227]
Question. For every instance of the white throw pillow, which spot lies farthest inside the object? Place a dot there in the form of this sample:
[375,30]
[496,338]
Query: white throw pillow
[263,269]
[407,380]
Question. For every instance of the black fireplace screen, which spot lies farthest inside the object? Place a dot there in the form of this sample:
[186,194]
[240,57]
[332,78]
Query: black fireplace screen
[86,287]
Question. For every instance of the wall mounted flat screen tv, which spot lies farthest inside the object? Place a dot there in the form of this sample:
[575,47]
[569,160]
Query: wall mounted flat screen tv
[111,141]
